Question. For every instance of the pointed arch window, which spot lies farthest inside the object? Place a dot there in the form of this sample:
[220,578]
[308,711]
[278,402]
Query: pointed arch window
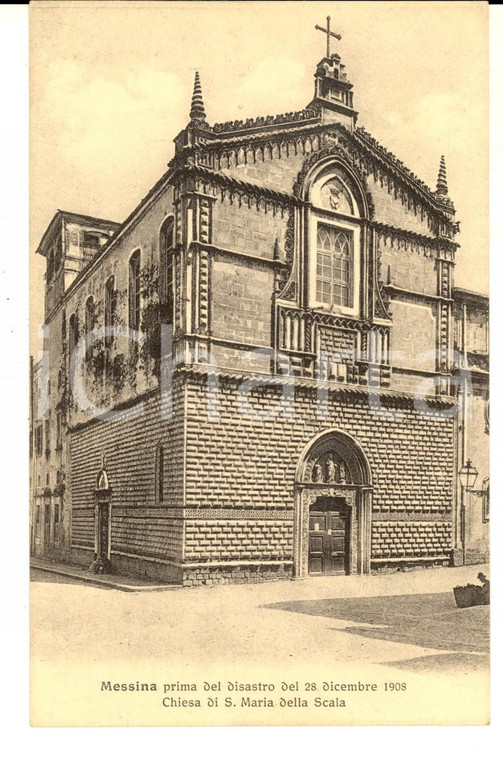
[110,308]
[337,248]
[134,291]
[166,285]
[334,266]
[48,436]
[159,473]
[51,265]
[89,324]
[59,430]
[72,335]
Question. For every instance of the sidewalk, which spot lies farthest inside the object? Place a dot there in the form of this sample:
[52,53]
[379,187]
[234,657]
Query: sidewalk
[433,579]
[118,582]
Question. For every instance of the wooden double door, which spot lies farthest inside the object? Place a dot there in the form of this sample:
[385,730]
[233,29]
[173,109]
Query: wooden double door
[329,536]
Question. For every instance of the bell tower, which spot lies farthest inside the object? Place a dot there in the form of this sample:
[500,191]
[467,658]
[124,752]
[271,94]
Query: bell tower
[332,90]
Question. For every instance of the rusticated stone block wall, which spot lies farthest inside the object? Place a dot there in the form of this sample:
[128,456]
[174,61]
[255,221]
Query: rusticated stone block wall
[141,527]
[246,454]
[244,535]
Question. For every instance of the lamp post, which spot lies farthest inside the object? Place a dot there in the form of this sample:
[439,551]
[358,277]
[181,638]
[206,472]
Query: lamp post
[467,476]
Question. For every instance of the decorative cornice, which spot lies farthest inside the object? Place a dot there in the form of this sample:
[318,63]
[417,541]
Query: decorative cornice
[461,295]
[360,148]
[326,319]
[402,515]
[378,150]
[345,323]
[381,395]
[416,240]
[259,122]
[240,187]
[215,249]
[295,139]
[393,290]
[361,140]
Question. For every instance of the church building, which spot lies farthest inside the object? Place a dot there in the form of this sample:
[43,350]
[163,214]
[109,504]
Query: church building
[260,372]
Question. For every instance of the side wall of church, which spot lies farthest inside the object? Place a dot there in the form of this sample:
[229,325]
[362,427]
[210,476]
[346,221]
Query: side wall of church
[131,367]
[408,269]
[413,340]
[243,227]
[146,535]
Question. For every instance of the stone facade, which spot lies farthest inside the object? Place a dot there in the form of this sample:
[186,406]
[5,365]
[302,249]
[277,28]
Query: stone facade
[267,337]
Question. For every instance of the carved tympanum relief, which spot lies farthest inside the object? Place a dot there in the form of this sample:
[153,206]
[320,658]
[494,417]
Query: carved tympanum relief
[330,468]
[335,197]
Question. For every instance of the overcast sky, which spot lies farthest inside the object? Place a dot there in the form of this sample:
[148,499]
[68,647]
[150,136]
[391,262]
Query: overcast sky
[111,87]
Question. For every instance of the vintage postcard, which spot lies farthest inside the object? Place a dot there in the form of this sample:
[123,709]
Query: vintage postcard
[259,434]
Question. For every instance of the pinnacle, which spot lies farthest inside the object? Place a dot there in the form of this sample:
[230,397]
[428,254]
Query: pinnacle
[197,112]
[442,178]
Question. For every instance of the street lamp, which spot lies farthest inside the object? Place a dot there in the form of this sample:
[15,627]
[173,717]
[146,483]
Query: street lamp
[467,477]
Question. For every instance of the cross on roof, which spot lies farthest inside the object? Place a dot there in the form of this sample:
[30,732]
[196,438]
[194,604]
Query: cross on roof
[329,34]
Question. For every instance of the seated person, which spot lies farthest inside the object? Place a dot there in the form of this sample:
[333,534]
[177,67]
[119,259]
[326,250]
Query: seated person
[484,592]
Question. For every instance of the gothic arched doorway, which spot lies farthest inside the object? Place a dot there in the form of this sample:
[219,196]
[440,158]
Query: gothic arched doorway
[333,505]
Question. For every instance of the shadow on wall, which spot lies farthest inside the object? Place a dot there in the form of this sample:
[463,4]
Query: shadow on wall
[431,621]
